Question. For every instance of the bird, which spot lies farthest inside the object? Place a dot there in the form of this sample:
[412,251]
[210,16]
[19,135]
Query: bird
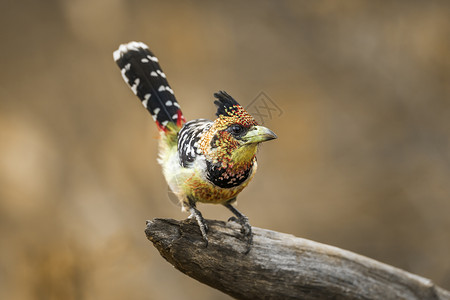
[203,161]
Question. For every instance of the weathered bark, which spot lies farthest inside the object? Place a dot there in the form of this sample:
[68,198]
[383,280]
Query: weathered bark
[281,266]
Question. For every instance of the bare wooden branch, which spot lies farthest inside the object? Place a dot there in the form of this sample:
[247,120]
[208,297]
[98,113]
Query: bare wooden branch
[281,266]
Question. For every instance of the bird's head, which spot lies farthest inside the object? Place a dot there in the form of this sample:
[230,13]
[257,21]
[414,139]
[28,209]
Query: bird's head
[235,134]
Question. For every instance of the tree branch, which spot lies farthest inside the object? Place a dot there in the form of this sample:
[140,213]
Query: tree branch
[281,266]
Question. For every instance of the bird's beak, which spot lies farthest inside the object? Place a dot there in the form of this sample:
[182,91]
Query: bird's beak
[258,134]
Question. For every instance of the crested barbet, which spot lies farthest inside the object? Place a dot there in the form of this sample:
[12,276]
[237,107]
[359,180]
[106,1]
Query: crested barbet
[203,161]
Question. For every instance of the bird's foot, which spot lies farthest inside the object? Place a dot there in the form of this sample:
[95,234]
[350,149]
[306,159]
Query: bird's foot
[246,230]
[201,223]
[204,229]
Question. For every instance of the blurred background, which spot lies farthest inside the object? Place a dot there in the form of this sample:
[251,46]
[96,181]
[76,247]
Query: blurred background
[362,161]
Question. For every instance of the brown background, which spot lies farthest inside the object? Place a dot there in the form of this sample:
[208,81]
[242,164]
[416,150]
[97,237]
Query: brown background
[362,161]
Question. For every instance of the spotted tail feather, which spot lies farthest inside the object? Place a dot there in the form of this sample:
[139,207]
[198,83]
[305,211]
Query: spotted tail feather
[141,71]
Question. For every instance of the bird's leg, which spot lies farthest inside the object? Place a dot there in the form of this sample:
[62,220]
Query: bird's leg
[246,228]
[200,220]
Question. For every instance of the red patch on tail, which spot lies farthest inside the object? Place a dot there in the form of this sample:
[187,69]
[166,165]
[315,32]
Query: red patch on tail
[180,119]
[160,127]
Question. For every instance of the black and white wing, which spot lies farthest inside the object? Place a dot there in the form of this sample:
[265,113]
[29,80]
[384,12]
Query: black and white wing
[188,141]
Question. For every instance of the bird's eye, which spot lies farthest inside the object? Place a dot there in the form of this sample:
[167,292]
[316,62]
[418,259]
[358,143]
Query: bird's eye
[236,129]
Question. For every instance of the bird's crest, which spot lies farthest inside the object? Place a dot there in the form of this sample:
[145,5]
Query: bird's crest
[225,104]
[229,111]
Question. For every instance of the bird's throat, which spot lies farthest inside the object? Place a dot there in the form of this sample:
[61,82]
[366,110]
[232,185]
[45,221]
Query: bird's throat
[243,156]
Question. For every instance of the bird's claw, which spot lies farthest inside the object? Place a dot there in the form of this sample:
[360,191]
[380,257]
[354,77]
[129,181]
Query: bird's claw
[204,228]
[246,230]
[232,219]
